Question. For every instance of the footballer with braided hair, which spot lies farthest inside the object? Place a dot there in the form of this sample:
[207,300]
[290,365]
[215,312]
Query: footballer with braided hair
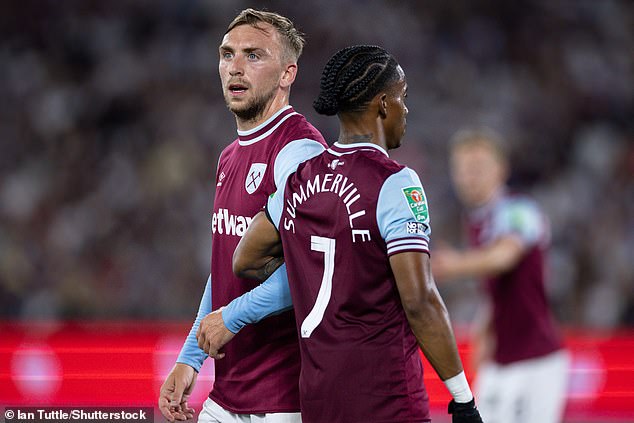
[353,227]
[352,77]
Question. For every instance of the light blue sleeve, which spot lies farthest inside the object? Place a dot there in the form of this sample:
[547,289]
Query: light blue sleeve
[403,214]
[275,207]
[191,354]
[273,296]
[520,216]
[289,157]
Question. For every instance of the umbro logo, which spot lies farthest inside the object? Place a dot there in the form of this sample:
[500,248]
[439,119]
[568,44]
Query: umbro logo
[220,178]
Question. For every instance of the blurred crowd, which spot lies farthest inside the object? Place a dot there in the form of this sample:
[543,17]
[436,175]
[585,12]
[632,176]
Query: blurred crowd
[112,119]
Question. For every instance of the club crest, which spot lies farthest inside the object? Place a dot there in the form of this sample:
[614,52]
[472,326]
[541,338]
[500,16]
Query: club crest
[254,177]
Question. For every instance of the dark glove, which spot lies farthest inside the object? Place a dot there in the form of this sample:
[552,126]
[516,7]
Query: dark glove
[464,412]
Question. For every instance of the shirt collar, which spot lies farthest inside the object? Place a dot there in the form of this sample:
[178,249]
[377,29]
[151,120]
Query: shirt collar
[340,149]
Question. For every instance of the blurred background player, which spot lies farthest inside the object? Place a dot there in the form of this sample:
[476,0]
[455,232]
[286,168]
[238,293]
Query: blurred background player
[258,64]
[354,226]
[522,372]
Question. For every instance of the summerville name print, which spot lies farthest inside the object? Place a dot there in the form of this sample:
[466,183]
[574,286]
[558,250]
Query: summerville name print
[338,184]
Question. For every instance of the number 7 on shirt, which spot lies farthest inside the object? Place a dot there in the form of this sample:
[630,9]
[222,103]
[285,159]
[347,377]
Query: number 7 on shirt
[314,318]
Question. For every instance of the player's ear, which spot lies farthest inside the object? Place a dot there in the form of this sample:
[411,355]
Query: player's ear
[288,75]
[382,105]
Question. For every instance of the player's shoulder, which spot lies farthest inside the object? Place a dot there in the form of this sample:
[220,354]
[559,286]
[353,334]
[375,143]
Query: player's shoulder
[395,170]
[382,164]
[403,181]
[297,127]
[515,202]
[519,211]
[229,150]
[521,214]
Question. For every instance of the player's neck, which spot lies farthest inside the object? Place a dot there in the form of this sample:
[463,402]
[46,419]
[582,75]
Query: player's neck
[354,130]
[274,106]
[356,138]
[489,197]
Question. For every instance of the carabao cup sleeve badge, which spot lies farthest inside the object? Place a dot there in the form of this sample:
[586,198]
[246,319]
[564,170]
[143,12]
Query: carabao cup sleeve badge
[417,203]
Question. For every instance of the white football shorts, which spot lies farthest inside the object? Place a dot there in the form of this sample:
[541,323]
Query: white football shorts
[214,413]
[528,391]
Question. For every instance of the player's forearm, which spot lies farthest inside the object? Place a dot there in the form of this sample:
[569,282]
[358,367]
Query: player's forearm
[190,353]
[430,324]
[259,252]
[272,297]
[426,312]
[259,269]
[487,261]
[474,263]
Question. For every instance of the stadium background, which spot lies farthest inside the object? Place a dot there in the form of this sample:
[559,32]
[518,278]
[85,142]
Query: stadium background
[112,119]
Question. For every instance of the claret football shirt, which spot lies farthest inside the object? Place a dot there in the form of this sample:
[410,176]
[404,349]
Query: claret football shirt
[260,371]
[340,216]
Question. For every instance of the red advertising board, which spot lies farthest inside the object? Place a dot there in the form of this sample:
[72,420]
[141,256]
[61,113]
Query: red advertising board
[124,363]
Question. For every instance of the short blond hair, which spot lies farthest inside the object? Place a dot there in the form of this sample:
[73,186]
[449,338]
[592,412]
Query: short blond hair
[292,39]
[482,136]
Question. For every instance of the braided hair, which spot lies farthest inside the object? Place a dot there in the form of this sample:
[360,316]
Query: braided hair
[352,77]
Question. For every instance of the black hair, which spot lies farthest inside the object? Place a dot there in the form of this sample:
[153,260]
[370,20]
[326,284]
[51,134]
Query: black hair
[352,77]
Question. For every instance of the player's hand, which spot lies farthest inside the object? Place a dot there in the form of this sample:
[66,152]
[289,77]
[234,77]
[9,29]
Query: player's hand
[175,392]
[443,263]
[464,412]
[212,334]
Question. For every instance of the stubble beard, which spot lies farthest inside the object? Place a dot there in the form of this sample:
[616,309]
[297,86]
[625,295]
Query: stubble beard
[254,109]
